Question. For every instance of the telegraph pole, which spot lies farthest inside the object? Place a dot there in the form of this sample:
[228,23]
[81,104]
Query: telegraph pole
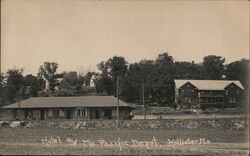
[143,100]
[117,95]
[0,48]
[19,110]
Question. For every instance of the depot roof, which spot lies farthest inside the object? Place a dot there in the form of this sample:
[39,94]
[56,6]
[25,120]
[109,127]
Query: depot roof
[77,101]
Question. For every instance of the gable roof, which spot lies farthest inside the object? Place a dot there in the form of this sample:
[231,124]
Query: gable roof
[208,84]
[66,102]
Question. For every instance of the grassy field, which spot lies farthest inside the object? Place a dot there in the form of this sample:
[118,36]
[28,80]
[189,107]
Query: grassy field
[20,141]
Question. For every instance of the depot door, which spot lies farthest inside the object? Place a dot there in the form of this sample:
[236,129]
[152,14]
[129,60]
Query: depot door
[69,114]
[42,115]
[97,114]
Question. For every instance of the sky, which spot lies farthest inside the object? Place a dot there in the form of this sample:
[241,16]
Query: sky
[79,34]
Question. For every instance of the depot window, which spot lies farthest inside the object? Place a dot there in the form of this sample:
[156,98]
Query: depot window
[81,112]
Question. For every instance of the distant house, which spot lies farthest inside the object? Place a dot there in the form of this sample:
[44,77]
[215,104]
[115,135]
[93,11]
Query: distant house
[82,107]
[218,93]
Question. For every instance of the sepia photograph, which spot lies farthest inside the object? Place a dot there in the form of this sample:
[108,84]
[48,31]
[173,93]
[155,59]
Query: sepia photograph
[124,77]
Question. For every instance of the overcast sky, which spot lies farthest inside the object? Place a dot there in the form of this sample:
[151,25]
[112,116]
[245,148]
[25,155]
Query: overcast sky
[79,34]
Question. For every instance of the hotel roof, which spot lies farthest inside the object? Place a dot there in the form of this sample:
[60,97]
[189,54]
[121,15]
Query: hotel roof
[208,84]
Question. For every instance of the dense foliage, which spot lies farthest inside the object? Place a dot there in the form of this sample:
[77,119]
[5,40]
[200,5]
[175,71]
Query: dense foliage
[155,76]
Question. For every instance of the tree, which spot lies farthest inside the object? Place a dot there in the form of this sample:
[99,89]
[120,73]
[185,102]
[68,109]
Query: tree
[162,82]
[213,67]
[2,87]
[48,71]
[133,85]
[104,85]
[71,77]
[238,70]
[117,66]
[14,84]
[187,70]
[109,71]
[79,82]
[72,82]
[32,85]
[158,80]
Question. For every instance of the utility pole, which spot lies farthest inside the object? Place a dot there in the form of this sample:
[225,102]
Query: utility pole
[117,95]
[143,100]
[0,50]
[19,110]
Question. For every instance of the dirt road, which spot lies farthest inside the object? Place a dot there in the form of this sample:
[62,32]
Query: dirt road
[147,142]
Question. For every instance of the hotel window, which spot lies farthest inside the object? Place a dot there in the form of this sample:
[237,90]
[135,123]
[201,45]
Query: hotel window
[186,99]
[230,100]
[192,90]
[234,100]
[182,91]
[226,92]
[237,92]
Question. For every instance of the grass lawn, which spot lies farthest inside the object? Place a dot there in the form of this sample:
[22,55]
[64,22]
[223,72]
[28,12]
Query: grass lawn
[95,142]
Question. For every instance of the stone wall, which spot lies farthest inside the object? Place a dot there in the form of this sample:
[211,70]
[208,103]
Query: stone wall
[187,124]
[6,115]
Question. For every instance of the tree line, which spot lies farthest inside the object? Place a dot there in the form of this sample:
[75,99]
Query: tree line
[158,76]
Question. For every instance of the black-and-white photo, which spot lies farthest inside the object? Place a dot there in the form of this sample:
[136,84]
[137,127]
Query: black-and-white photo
[134,77]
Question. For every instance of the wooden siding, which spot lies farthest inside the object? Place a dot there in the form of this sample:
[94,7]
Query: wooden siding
[233,95]
[65,113]
[188,93]
[230,97]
